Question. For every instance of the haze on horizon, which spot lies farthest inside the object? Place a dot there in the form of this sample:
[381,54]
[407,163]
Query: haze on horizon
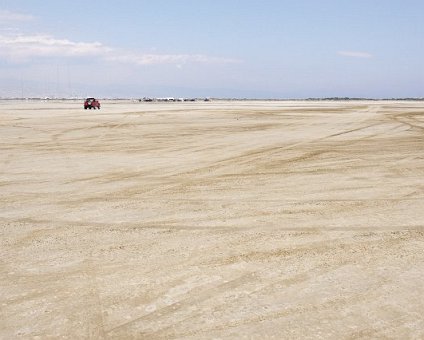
[187,48]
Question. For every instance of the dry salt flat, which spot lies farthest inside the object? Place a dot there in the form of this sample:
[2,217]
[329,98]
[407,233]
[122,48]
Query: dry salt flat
[247,219]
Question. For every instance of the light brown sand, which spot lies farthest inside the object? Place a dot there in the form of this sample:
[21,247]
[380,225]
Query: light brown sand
[212,220]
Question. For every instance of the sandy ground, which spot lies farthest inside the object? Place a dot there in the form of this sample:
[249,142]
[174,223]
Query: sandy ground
[212,220]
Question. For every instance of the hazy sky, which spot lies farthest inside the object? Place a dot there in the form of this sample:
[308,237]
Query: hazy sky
[216,48]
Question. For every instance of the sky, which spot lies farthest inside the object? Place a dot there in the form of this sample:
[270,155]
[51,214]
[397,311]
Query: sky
[212,48]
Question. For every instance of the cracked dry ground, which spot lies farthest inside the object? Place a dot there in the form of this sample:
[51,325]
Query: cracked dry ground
[212,220]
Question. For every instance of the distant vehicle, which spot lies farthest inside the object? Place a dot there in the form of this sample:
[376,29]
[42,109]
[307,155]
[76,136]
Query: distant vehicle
[91,103]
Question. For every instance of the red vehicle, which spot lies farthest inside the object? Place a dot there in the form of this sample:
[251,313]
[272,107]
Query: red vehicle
[91,103]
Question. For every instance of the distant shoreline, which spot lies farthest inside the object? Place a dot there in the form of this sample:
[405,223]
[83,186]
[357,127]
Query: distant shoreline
[221,99]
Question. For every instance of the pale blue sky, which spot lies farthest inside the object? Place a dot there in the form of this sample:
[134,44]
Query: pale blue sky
[216,48]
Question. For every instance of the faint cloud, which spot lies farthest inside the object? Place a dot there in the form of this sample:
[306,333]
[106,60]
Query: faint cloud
[179,59]
[20,48]
[9,30]
[355,54]
[8,16]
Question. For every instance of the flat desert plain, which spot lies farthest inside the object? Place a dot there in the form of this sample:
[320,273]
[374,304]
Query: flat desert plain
[285,220]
